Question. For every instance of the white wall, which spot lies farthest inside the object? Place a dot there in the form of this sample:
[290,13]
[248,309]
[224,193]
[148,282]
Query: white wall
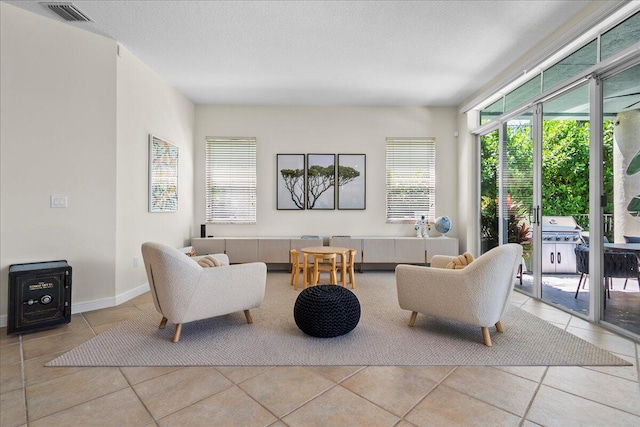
[333,130]
[58,115]
[468,184]
[75,121]
[148,105]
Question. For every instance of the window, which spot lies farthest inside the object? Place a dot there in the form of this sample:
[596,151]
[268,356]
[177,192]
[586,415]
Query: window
[523,93]
[579,60]
[492,111]
[231,180]
[620,37]
[411,179]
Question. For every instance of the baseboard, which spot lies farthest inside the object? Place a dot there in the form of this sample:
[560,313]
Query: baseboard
[99,303]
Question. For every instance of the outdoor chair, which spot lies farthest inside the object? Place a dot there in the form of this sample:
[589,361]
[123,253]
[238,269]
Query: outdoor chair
[617,265]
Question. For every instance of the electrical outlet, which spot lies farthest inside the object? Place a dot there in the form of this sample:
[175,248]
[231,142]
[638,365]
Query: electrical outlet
[136,262]
[58,201]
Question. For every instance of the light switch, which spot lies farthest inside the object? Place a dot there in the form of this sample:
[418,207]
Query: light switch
[58,201]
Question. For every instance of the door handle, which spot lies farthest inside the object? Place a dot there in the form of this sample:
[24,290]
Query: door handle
[551,257]
[559,258]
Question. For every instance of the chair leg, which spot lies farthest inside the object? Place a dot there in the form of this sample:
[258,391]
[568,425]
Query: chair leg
[499,327]
[486,336]
[579,281]
[247,315]
[352,277]
[294,274]
[412,319]
[163,323]
[177,332]
[625,283]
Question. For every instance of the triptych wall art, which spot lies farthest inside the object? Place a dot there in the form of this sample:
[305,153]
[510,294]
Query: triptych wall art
[316,182]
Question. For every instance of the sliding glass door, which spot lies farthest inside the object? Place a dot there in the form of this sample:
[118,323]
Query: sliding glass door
[517,191]
[621,210]
[506,191]
[565,200]
[489,167]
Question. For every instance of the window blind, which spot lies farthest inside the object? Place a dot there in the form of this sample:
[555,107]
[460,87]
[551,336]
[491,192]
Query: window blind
[231,180]
[411,179]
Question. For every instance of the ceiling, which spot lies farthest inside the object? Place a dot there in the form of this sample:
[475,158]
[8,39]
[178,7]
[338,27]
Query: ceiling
[405,53]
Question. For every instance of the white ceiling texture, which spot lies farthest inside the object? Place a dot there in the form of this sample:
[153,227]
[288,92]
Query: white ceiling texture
[406,53]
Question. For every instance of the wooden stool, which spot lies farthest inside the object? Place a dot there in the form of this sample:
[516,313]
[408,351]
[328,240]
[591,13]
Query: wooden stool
[297,267]
[349,263]
[327,263]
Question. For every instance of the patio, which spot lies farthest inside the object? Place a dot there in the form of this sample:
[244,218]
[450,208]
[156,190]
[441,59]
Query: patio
[622,309]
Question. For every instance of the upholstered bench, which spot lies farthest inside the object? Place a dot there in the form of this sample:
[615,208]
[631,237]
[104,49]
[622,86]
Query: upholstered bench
[326,311]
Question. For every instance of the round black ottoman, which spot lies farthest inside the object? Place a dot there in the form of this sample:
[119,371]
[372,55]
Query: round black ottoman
[326,311]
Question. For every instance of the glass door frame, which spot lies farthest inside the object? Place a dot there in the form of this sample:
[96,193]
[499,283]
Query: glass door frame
[601,72]
[595,191]
[501,127]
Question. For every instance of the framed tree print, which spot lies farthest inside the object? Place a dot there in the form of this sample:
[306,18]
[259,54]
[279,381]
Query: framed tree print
[352,184]
[163,175]
[321,178]
[290,182]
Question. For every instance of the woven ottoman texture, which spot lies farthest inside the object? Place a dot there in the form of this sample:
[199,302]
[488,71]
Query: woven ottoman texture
[326,311]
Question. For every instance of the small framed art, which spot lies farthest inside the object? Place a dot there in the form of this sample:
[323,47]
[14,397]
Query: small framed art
[163,175]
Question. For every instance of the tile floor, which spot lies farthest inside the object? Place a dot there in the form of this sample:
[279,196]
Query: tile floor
[33,395]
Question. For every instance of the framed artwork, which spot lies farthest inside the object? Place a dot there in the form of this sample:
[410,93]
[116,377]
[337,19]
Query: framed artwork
[352,183]
[321,178]
[163,175]
[290,181]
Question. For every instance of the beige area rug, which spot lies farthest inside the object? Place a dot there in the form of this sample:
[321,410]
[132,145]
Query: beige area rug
[381,338]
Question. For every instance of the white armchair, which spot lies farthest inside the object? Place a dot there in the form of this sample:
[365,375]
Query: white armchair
[183,291]
[477,294]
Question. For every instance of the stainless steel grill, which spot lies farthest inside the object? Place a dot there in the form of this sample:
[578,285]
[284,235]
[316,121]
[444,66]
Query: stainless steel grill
[560,236]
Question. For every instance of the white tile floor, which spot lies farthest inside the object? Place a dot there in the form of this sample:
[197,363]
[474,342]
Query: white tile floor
[311,396]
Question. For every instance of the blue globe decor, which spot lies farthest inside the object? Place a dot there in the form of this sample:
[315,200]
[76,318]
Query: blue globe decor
[442,224]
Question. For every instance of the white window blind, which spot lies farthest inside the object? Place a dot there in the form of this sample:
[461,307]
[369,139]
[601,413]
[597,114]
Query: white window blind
[231,180]
[411,179]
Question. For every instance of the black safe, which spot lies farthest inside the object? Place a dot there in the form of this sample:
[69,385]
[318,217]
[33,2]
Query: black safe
[39,296]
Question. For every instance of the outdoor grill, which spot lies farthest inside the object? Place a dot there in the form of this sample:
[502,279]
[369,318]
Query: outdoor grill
[560,236]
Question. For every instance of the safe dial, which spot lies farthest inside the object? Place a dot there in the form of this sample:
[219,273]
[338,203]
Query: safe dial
[45,299]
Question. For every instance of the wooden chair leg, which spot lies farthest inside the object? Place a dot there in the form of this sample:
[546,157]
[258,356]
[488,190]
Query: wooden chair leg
[499,327]
[247,315]
[412,319]
[486,336]
[294,274]
[163,323]
[177,332]
[352,277]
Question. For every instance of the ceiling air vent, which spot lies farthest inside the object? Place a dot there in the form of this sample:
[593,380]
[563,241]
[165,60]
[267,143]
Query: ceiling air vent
[67,11]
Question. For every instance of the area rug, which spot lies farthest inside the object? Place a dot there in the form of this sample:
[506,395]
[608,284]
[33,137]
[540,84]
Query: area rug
[382,337]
